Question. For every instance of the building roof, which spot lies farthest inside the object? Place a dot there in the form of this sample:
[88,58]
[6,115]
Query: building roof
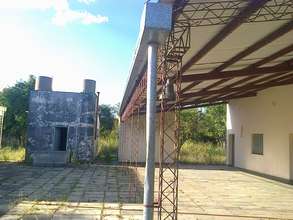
[151,30]
[233,50]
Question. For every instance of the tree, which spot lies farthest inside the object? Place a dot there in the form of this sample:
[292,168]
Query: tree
[107,118]
[190,122]
[215,123]
[204,125]
[16,99]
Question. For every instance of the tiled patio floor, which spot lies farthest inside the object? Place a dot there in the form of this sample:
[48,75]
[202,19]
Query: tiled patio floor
[105,192]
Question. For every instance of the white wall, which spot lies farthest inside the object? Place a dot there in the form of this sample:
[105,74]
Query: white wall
[132,138]
[270,113]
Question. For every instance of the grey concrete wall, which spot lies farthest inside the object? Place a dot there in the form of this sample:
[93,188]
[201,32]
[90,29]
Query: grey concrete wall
[76,111]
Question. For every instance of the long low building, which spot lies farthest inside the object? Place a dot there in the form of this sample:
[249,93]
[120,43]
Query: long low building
[260,132]
[196,53]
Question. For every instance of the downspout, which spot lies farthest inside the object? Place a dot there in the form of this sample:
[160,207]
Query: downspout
[157,32]
[156,23]
[150,131]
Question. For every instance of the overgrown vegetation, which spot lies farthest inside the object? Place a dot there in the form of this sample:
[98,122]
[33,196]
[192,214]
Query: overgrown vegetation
[108,141]
[12,154]
[108,147]
[203,133]
[16,99]
[206,125]
[202,153]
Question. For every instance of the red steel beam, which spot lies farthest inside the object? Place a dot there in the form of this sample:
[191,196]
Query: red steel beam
[212,102]
[231,96]
[274,56]
[273,78]
[237,73]
[288,64]
[241,81]
[135,98]
[244,92]
[259,44]
[250,70]
[203,105]
[252,7]
[235,89]
[263,42]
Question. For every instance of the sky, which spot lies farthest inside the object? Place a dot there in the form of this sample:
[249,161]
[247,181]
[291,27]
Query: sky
[69,40]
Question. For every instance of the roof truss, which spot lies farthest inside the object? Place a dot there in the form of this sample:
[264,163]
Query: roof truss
[189,14]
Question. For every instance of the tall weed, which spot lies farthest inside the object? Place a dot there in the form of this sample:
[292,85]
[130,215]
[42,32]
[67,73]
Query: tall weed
[12,154]
[202,153]
[108,147]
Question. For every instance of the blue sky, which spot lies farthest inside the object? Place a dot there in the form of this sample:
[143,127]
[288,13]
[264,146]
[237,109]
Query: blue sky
[70,40]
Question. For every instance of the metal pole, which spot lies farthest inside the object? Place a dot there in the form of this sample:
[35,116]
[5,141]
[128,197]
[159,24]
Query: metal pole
[150,132]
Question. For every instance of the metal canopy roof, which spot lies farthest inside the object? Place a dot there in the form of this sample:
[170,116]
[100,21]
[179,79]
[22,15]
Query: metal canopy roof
[234,49]
[151,29]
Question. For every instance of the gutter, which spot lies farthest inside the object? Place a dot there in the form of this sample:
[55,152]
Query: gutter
[155,25]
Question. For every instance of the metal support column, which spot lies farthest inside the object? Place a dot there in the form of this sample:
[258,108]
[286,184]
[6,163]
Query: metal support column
[150,132]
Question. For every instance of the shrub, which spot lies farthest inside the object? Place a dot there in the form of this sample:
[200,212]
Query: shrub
[108,147]
[12,154]
[202,153]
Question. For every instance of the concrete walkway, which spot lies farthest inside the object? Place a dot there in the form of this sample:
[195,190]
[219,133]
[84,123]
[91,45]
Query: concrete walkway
[207,193]
[109,192]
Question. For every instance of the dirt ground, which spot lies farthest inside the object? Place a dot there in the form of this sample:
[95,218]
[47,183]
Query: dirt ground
[115,192]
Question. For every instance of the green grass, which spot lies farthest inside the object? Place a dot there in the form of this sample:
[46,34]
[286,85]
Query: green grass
[108,147]
[202,153]
[12,154]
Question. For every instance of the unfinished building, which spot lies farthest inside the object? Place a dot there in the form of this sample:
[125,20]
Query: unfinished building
[196,53]
[62,126]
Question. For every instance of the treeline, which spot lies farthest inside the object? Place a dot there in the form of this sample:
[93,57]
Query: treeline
[204,125]
[108,141]
[203,133]
[108,118]
[16,99]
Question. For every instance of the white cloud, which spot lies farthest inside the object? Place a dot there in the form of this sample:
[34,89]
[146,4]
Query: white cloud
[64,17]
[63,13]
[86,1]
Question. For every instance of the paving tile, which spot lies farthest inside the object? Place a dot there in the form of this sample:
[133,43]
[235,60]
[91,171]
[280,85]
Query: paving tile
[109,192]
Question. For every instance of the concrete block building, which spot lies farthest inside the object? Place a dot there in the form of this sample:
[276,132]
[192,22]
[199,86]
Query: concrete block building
[62,126]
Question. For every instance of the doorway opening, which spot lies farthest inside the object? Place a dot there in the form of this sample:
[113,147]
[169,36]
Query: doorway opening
[291,156]
[60,138]
[231,149]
